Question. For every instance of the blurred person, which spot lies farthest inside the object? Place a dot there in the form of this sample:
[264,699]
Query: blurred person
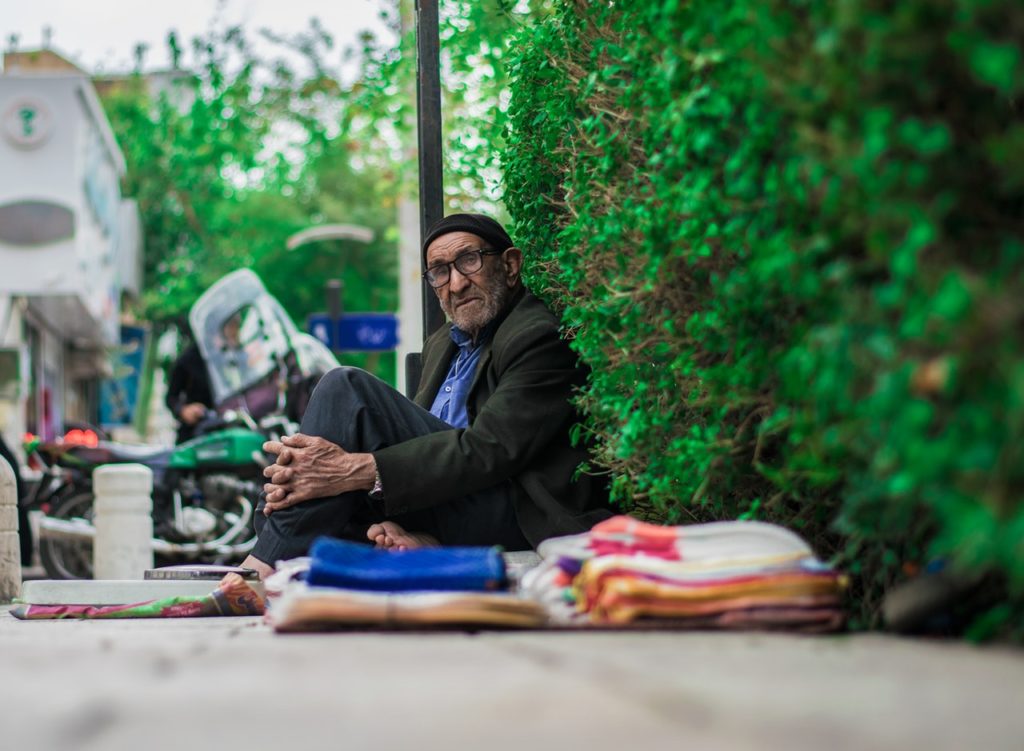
[188,392]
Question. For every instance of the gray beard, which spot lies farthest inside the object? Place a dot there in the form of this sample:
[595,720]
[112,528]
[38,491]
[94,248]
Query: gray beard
[496,293]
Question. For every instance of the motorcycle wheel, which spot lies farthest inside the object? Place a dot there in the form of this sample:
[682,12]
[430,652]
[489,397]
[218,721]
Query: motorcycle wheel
[69,559]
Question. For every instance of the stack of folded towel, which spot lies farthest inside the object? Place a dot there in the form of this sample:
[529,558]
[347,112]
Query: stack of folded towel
[349,584]
[718,575]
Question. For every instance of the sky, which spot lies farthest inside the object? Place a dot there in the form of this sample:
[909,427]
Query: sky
[101,35]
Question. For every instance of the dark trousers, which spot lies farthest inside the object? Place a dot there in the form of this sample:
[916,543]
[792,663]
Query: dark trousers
[361,413]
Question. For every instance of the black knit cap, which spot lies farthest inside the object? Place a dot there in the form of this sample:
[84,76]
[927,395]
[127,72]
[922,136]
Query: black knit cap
[478,224]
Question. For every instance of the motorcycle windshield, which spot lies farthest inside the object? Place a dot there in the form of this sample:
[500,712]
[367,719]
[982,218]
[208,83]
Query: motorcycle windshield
[243,334]
[314,358]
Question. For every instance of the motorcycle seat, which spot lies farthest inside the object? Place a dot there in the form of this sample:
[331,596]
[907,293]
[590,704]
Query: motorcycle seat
[142,453]
[119,453]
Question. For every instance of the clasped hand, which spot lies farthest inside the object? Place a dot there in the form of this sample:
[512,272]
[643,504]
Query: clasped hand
[309,467]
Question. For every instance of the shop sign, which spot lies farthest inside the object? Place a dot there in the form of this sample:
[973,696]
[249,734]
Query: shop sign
[27,123]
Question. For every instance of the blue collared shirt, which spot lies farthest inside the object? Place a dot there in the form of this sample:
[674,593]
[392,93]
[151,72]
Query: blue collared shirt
[450,402]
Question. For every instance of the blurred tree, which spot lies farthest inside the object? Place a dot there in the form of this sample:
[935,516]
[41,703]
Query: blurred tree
[230,154]
[476,38]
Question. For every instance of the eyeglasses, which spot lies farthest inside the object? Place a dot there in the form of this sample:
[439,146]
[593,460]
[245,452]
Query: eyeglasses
[467,263]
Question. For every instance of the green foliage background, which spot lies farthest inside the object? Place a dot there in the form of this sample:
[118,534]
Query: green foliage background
[475,39]
[788,236]
[238,153]
[242,150]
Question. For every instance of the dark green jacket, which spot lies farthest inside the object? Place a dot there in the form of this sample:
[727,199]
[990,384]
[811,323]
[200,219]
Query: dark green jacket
[519,422]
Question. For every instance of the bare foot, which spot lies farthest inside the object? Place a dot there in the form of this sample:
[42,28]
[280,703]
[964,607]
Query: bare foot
[263,569]
[390,536]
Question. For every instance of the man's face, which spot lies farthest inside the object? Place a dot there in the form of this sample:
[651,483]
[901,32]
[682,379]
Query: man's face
[473,301]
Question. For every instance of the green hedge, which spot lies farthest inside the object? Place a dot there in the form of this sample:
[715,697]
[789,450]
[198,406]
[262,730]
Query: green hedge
[788,237]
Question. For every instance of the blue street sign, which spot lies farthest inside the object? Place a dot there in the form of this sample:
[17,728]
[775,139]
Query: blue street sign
[367,331]
[321,326]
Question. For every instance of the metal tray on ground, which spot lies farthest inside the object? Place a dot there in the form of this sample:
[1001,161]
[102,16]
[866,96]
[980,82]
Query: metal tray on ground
[198,572]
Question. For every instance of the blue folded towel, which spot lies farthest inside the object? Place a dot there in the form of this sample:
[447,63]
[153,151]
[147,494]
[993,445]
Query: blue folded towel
[336,563]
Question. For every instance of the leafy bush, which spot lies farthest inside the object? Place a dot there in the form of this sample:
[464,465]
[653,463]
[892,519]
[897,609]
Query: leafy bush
[788,237]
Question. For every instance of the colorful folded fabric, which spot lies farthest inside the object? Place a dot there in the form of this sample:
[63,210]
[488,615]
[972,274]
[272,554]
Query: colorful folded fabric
[306,608]
[803,620]
[233,596]
[624,599]
[598,573]
[806,620]
[336,563]
[720,575]
[714,541]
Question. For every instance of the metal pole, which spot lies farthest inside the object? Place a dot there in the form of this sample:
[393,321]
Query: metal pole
[428,107]
[333,289]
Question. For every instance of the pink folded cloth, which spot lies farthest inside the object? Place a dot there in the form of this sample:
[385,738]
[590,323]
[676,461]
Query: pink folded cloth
[622,535]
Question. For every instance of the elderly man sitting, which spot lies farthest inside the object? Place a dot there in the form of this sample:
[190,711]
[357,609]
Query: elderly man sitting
[483,455]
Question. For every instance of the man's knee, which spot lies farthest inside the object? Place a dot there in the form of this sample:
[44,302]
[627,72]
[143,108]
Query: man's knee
[344,381]
[339,406]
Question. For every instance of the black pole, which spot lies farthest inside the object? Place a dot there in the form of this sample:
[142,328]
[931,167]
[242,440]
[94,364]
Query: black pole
[428,108]
[333,289]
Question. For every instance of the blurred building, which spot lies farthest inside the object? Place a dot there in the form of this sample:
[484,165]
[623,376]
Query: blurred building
[176,86]
[70,245]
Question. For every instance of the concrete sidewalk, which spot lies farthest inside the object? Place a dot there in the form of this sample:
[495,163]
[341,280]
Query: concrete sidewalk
[233,683]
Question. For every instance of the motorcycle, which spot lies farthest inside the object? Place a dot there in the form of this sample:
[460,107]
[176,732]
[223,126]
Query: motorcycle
[262,370]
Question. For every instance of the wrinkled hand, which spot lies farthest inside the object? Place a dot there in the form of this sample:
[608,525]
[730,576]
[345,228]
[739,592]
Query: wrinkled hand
[310,467]
[192,413]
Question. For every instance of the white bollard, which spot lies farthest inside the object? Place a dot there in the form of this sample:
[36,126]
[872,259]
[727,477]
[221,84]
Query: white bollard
[122,548]
[10,548]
